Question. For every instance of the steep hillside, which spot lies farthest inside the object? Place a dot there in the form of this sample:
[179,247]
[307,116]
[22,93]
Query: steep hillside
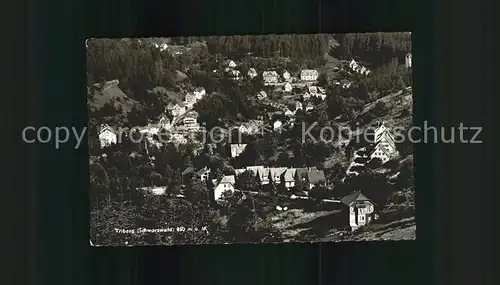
[112,95]
[394,117]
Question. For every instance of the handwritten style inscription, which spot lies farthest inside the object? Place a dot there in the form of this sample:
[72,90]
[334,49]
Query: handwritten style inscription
[163,230]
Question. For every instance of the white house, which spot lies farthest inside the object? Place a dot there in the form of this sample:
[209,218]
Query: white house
[289,178]
[231,64]
[286,76]
[322,96]
[107,136]
[353,64]
[289,113]
[252,72]
[203,173]
[275,174]
[164,122]
[262,95]
[235,74]
[381,152]
[408,60]
[243,129]
[288,87]
[309,75]
[224,185]
[315,177]
[361,209]
[385,146]
[270,77]
[237,149]
[277,125]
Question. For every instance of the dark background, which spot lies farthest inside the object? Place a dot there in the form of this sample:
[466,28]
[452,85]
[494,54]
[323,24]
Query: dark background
[49,210]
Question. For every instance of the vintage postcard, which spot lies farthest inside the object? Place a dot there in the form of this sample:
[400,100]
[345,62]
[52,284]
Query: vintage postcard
[250,139]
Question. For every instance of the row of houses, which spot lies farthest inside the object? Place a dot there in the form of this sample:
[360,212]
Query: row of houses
[361,210]
[358,68]
[178,109]
[310,177]
[272,76]
[185,125]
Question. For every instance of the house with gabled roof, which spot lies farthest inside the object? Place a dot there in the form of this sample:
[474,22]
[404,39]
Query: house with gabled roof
[199,92]
[270,77]
[301,173]
[263,176]
[384,144]
[287,76]
[235,74]
[381,152]
[107,136]
[252,72]
[255,169]
[261,95]
[203,173]
[178,109]
[275,174]
[237,149]
[190,100]
[361,209]
[224,185]
[288,112]
[309,75]
[345,83]
[288,177]
[315,178]
[287,87]
[230,63]
[298,105]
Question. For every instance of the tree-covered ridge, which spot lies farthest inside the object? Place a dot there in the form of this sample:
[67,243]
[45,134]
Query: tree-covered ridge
[377,49]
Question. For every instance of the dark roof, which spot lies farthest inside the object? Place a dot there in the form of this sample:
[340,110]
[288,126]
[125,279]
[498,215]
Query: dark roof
[201,171]
[188,170]
[355,196]
[316,176]
[301,172]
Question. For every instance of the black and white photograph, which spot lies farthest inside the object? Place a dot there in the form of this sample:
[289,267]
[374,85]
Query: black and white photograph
[250,139]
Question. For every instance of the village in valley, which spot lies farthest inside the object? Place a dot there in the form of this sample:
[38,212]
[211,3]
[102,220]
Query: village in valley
[250,139]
